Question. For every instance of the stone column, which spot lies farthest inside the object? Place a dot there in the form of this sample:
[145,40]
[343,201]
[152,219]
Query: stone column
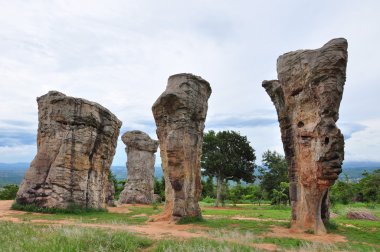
[140,149]
[76,142]
[180,113]
[307,96]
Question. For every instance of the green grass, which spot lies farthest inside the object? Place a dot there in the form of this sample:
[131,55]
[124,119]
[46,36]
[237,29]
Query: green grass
[199,245]
[362,235]
[253,211]
[248,237]
[343,209]
[256,227]
[99,217]
[285,243]
[23,237]
[71,209]
[189,220]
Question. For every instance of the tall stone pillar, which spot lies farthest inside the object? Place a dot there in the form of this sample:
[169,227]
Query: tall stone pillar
[76,142]
[307,96]
[140,149]
[180,113]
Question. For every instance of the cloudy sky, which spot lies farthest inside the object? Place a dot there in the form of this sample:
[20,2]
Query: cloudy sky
[120,54]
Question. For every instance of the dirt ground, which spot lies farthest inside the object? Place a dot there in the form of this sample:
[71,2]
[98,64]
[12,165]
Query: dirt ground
[165,229]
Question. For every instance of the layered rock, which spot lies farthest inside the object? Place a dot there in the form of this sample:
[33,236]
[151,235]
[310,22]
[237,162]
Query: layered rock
[76,142]
[140,149]
[180,113]
[307,96]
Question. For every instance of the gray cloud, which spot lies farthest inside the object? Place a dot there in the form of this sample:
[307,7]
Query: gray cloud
[15,138]
[120,54]
[350,128]
[240,122]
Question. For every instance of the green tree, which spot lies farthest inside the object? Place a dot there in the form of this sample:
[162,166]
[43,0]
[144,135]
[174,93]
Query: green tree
[208,187]
[159,187]
[369,186]
[236,193]
[227,156]
[342,191]
[280,195]
[273,172]
[8,192]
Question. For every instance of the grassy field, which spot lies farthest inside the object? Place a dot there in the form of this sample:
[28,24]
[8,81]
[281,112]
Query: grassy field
[231,228]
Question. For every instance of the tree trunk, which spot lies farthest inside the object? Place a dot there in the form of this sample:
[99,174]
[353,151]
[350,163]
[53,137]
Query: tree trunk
[218,190]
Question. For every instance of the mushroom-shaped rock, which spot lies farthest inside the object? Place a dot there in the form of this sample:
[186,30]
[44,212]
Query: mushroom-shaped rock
[307,96]
[140,149]
[76,142]
[180,113]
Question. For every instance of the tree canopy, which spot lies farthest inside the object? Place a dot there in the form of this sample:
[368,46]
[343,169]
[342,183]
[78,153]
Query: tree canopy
[273,172]
[227,155]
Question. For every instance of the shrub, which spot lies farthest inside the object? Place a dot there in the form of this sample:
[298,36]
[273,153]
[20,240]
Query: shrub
[187,220]
[8,192]
[208,200]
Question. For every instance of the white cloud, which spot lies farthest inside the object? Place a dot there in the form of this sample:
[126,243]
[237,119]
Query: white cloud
[120,54]
[16,154]
[364,145]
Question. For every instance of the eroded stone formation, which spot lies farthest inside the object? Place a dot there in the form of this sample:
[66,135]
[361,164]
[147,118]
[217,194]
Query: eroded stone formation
[140,149]
[307,96]
[76,142]
[180,113]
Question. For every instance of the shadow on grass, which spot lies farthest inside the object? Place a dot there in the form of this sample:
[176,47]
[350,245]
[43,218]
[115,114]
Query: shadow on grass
[190,220]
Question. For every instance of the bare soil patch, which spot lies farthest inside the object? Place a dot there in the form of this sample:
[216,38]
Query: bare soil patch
[5,208]
[168,229]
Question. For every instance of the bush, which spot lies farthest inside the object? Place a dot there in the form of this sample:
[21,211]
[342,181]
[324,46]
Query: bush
[8,192]
[361,215]
[188,220]
[208,200]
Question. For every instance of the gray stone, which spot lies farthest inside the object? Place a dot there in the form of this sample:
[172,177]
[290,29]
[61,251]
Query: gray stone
[76,142]
[140,164]
[180,113]
[307,96]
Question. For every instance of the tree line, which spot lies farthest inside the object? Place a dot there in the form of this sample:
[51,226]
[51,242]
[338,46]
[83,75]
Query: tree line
[231,175]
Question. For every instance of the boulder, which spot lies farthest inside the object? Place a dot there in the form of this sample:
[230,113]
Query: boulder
[361,215]
[180,113]
[307,96]
[140,165]
[76,142]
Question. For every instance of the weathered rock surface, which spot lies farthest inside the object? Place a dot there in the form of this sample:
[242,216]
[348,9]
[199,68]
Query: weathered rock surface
[140,164]
[307,96]
[361,215]
[76,143]
[180,113]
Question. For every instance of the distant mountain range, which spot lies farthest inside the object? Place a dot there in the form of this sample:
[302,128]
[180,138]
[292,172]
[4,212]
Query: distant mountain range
[120,172]
[13,173]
